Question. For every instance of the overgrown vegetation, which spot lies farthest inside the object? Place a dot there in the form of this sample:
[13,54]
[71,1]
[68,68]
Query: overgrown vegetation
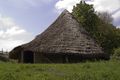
[116,55]
[81,71]
[98,25]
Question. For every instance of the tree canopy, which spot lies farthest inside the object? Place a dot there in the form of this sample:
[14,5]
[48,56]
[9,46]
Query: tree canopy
[98,25]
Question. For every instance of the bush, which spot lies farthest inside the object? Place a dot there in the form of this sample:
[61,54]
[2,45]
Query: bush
[116,54]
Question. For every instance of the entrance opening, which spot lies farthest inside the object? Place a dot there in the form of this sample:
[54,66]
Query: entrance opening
[28,57]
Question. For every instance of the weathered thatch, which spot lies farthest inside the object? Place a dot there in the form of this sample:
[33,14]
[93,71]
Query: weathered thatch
[64,41]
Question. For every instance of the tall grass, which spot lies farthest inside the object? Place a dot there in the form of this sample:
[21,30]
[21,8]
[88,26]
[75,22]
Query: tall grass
[102,70]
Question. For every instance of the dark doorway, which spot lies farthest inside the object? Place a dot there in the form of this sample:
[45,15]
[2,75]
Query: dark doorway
[28,57]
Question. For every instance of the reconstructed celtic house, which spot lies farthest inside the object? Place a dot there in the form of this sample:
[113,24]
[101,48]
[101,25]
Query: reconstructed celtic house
[65,41]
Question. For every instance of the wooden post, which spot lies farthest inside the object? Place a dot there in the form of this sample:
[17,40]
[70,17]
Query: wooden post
[22,56]
[66,59]
[34,57]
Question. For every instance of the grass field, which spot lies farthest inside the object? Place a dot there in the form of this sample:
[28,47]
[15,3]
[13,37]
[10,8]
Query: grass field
[103,70]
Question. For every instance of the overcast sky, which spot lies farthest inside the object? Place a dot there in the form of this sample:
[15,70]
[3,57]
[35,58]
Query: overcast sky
[22,20]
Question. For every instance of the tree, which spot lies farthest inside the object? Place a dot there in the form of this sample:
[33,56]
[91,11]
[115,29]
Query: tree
[106,17]
[116,54]
[85,14]
[98,25]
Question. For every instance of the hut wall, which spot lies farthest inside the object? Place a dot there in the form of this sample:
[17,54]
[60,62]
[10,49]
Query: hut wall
[48,58]
[38,58]
[26,57]
[20,57]
[62,57]
[67,58]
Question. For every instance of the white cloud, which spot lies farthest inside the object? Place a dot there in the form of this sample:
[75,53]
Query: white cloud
[116,17]
[99,5]
[66,4]
[11,34]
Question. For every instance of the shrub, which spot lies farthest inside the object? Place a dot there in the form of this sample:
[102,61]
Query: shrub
[116,54]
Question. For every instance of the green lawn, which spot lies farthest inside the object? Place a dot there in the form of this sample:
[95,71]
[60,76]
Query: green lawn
[103,70]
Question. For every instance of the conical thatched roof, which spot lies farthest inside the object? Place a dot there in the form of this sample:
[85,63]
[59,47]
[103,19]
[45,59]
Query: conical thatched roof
[65,35]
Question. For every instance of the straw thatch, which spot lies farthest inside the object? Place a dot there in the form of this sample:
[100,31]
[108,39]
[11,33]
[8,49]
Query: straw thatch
[64,41]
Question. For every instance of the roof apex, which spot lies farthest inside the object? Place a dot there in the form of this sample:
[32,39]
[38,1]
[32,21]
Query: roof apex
[65,12]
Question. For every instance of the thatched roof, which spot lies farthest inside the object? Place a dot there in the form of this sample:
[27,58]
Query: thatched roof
[65,35]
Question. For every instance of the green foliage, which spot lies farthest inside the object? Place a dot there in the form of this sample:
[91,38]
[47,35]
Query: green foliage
[102,31]
[82,71]
[85,14]
[116,54]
